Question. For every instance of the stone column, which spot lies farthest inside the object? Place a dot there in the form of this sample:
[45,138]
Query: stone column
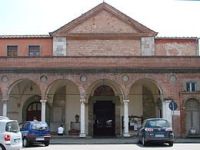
[126,119]
[82,118]
[43,110]
[4,107]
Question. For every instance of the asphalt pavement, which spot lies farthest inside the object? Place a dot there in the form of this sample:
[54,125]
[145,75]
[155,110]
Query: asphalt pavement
[107,140]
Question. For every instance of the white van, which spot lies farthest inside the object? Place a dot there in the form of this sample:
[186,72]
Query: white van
[10,135]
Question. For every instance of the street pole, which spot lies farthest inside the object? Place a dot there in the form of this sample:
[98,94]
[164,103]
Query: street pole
[173,117]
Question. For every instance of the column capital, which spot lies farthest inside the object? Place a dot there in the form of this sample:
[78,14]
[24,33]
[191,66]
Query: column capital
[4,99]
[43,101]
[82,100]
[126,100]
[82,96]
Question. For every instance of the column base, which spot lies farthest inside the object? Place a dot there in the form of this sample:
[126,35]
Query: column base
[126,135]
[82,135]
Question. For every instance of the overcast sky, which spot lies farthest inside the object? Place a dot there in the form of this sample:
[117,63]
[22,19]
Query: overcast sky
[167,17]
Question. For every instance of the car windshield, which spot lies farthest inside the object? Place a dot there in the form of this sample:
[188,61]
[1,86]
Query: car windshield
[12,126]
[36,125]
[159,123]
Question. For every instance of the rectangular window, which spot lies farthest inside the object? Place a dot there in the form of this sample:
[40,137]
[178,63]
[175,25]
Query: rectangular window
[34,50]
[191,86]
[12,51]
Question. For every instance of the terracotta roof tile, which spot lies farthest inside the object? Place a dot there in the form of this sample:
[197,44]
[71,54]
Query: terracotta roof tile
[176,37]
[23,36]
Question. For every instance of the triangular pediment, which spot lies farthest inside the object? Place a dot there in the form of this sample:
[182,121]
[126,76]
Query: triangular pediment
[103,19]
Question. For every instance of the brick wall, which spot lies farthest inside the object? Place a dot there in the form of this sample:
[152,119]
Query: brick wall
[103,62]
[103,48]
[176,47]
[125,47]
[103,22]
[46,45]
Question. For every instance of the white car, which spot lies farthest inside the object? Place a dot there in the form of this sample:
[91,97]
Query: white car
[10,135]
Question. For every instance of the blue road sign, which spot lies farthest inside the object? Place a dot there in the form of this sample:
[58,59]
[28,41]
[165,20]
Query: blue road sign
[173,105]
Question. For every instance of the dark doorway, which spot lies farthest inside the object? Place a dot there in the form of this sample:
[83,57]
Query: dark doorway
[33,111]
[104,118]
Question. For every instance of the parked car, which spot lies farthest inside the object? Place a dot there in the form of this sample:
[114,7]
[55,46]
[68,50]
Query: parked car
[156,130]
[4,118]
[10,135]
[35,132]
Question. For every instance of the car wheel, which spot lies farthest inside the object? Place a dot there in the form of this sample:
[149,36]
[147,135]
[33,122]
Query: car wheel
[46,143]
[2,147]
[171,143]
[143,141]
[25,142]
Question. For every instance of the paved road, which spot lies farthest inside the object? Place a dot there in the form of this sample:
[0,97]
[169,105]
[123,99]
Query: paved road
[65,140]
[177,146]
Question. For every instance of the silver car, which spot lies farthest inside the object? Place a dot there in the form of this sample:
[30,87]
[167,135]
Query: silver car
[156,130]
[10,135]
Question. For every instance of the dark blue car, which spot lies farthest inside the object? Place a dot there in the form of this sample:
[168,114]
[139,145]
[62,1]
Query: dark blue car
[35,132]
[156,130]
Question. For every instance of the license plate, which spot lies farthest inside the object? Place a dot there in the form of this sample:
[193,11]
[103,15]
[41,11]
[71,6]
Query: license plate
[40,139]
[159,135]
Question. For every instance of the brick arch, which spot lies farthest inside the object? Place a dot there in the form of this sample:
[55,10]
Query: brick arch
[16,82]
[19,91]
[146,94]
[154,82]
[117,89]
[192,99]
[104,90]
[54,85]
[187,98]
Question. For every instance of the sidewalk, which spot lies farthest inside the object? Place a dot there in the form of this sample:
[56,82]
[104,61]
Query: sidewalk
[114,140]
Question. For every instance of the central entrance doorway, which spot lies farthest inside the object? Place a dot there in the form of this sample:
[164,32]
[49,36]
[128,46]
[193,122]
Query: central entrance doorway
[104,118]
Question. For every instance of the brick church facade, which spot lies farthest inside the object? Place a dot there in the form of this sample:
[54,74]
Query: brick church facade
[101,74]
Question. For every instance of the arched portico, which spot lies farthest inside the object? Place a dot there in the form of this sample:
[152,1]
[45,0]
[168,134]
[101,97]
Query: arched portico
[63,97]
[20,94]
[145,102]
[104,108]
[145,99]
